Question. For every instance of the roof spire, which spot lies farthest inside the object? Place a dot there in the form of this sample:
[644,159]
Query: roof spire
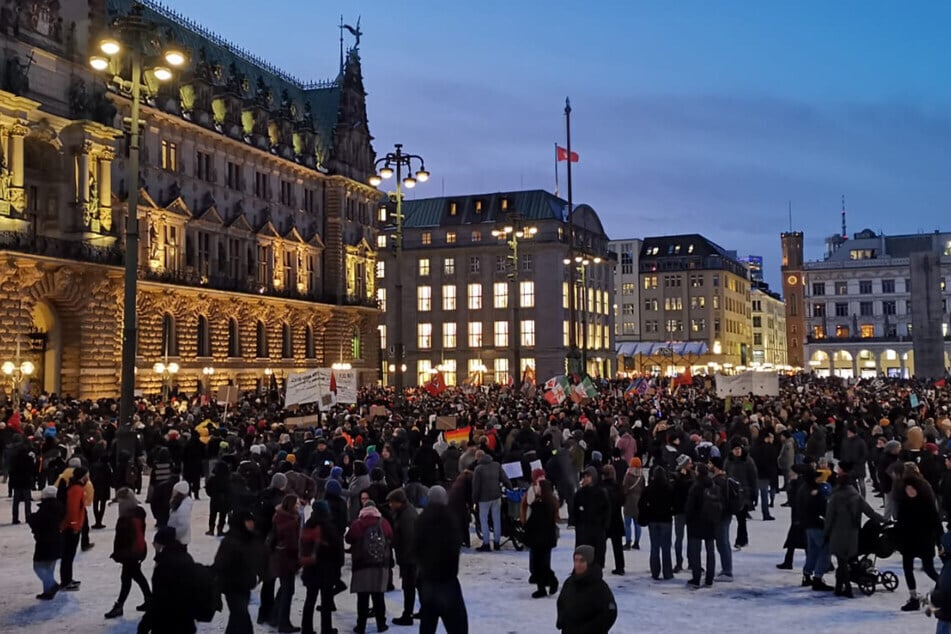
[845,234]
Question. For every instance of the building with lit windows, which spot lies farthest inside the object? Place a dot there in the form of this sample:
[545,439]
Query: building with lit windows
[878,304]
[460,297]
[694,308]
[768,324]
[257,232]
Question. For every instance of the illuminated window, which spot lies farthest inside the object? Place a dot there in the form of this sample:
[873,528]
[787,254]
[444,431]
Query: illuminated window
[424,298]
[501,367]
[867,331]
[650,281]
[476,236]
[382,329]
[564,295]
[381,242]
[449,266]
[423,374]
[698,302]
[565,333]
[500,333]
[449,297]
[698,325]
[500,295]
[449,334]
[450,237]
[426,237]
[448,367]
[474,293]
[381,298]
[527,332]
[475,334]
[475,265]
[842,331]
[453,209]
[380,270]
[423,267]
[424,336]
[526,292]
[818,332]
[169,156]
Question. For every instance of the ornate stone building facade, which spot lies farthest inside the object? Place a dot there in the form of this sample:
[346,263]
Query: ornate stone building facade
[257,229]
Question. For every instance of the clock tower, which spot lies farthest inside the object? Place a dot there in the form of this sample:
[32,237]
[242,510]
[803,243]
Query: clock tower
[794,291]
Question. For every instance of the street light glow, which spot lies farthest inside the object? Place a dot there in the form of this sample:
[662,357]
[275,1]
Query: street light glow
[386,172]
[98,62]
[109,45]
[162,73]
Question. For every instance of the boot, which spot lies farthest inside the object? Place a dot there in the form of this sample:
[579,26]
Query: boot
[115,612]
[913,605]
[553,586]
[637,545]
[405,619]
[540,593]
[821,586]
[807,581]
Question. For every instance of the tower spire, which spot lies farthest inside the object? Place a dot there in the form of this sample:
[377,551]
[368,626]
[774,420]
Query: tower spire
[845,234]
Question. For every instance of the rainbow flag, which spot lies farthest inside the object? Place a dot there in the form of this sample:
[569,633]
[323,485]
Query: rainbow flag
[460,435]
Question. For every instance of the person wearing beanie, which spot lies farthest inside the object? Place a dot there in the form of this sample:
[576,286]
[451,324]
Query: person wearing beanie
[129,550]
[740,467]
[404,517]
[592,511]
[173,565]
[284,559]
[48,541]
[437,548]
[586,603]
[89,495]
[266,506]
[180,517]
[633,487]
[371,538]
[279,481]
[72,526]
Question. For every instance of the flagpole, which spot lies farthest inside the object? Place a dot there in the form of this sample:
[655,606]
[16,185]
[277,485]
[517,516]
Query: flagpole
[574,357]
[556,168]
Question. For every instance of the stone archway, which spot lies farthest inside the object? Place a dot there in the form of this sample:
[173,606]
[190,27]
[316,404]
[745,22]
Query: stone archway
[46,338]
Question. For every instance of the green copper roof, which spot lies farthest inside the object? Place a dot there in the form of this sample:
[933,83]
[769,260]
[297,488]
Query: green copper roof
[535,204]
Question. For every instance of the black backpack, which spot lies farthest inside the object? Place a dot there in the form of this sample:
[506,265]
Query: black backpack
[206,594]
[734,496]
[711,505]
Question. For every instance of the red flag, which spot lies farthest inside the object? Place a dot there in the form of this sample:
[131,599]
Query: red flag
[436,385]
[562,154]
[333,382]
[940,383]
[684,379]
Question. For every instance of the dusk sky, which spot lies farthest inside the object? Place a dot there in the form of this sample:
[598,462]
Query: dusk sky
[705,117]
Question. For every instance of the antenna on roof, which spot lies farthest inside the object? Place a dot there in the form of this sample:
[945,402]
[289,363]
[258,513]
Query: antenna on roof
[845,234]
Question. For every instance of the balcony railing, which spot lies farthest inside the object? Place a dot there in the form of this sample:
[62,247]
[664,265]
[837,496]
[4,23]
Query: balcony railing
[58,248]
[187,277]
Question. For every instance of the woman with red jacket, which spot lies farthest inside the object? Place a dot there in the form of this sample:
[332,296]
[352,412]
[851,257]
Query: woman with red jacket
[371,537]
[129,549]
[284,559]
[73,526]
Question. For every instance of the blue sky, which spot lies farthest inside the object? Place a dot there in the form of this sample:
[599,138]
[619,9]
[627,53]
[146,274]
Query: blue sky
[705,117]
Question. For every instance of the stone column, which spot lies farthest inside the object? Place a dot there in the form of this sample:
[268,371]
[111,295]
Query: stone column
[105,188]
[17,195]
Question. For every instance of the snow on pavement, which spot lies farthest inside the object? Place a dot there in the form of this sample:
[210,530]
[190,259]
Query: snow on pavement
[496,589]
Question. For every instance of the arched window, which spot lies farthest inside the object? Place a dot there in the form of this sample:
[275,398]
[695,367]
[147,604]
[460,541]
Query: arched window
[261,341]
[287,343]
[310,350]
[355,348]
[169,338]
[234,338]
[204,339]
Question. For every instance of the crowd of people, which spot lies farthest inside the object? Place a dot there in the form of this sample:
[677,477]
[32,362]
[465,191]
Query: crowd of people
[378,483]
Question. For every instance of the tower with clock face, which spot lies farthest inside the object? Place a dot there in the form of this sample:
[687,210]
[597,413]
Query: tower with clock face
[794,290]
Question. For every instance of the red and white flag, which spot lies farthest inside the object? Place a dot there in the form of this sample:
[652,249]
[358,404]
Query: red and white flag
[561,154]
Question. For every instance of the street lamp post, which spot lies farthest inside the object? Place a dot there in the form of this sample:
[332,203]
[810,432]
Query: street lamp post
[512,232]
[17,371]
[138,37]
[581,264]
[208,372]
[167,370]
[388,166]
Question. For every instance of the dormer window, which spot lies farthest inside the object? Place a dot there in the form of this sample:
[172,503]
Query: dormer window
[478,206]
[453,209]
[505,204]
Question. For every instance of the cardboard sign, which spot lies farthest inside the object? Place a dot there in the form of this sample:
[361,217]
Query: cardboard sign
[445,423]
[301,421]
[379,410]
[228,394]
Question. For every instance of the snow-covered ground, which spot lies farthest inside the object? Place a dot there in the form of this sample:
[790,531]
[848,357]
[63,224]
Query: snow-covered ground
[762,598]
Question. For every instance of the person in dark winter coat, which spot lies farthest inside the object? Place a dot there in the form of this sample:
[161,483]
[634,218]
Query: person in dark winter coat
[371,564]
[129,550]
[437,556]
[404,517]
[810,510]
[487,481]
[22,475]
[237,564]
[656,507]
[843,521]
[450,462]
[100,474]
[586,604]
[322,556]
[45,524]
[338,506]
[268,501]
[681,481]
[740,467]
[816,444]
[704,508]
[193,454]
[796,535]
[615,531]
[218,488]
[855,452]
[592,512]
[284,560]
[941,595]
[541,534]
[171,588]
[917,529]
[460,503]
[765,455]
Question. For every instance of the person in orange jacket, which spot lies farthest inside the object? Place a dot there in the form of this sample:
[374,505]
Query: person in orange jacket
[73,525]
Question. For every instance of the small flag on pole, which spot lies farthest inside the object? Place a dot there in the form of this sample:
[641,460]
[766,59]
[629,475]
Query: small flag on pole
[562,154]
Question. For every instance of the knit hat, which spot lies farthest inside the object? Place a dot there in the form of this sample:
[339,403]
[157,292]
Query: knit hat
[181,488]
[397,495]
[48,493]
[931,448]
[279,481]
[438,495]
[321,509]
[635,463]
[591,471]
[164,536]
[585,552]
[892,446]
[336,473]
[682,461]
[538,474]
[74,462]
[717,461]
[596,456]
[333,488]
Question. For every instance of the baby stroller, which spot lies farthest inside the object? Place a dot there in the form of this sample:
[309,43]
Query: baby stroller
[512,530]
[875,540]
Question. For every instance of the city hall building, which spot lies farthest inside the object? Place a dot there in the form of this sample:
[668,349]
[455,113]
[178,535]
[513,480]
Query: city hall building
[256,226]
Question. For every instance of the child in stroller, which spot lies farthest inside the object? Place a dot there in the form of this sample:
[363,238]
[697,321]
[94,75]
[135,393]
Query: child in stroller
[875,540]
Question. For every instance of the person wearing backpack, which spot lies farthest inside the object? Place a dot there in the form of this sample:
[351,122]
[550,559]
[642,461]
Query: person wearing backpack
[371,537]
[172,595]
[218,488]
[741,470]
[704,509]
[721,480]
[285,560]
[129,550]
